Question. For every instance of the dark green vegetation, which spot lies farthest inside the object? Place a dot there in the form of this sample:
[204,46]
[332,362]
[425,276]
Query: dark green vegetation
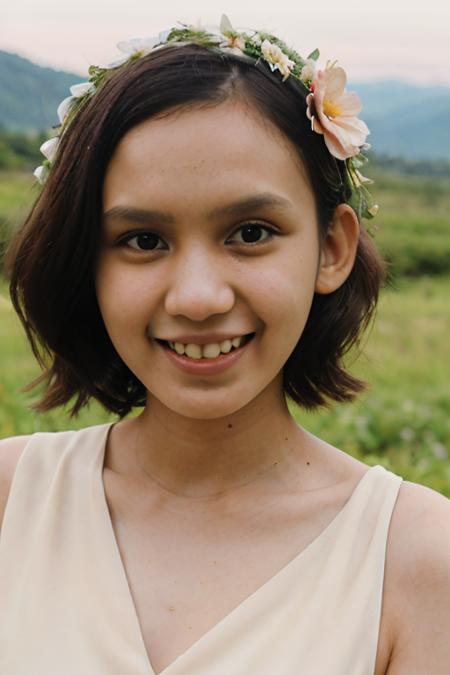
[20,151]
[413,222]
[403,420]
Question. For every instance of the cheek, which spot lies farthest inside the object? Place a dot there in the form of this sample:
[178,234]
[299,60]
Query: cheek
[288,291]
[123,299]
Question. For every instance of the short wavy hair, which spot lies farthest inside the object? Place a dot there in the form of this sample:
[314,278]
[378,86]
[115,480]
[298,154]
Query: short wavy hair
[51,259]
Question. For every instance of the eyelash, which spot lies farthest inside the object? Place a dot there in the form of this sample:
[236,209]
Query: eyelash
[268,230]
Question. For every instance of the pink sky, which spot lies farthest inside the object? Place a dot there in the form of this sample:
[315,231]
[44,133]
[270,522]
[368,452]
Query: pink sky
[386,38]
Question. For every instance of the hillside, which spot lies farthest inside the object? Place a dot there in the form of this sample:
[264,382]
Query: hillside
[405,120]
[30,94]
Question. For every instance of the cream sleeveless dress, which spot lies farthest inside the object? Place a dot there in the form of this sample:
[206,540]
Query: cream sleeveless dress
[66,607]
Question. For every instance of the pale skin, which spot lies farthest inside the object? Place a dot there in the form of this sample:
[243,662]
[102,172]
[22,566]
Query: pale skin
[215,471]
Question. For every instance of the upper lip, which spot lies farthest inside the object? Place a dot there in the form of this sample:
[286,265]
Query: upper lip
[205,338]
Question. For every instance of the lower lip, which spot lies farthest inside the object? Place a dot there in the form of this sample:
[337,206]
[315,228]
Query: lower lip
[204,366]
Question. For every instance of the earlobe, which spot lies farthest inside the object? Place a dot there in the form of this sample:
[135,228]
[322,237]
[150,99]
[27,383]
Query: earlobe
[338,250]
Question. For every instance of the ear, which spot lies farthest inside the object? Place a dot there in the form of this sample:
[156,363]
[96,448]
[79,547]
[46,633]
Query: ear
[338,250]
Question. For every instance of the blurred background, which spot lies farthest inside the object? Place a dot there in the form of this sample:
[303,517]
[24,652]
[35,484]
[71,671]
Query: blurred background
[398,59]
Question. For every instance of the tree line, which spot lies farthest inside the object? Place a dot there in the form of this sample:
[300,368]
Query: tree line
[20,151]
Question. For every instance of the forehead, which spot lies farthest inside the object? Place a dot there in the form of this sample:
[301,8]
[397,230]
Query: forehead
[204,154]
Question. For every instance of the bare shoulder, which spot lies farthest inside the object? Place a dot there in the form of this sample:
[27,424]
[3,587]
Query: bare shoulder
[420,528]
[10,452]
[418,582]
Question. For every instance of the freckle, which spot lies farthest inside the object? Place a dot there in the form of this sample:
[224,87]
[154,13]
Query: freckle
[189,627]
[230,426]
[307,463]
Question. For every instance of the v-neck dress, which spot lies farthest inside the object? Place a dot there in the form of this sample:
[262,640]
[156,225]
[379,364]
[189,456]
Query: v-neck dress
[66,606]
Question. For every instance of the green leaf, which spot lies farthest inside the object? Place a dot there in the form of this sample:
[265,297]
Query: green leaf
[314,55]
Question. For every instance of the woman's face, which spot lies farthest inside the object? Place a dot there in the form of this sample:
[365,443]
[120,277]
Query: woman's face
[209,234]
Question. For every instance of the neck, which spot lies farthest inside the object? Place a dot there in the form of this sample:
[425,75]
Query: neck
[207,458]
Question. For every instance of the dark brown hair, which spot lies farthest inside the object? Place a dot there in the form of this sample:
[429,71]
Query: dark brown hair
[51,260]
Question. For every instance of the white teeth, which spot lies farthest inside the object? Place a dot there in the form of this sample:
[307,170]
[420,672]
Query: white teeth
[225,346]
[209,351]
[193,351]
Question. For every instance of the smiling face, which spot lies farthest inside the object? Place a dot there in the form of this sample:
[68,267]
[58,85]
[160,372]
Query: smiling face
[209,234]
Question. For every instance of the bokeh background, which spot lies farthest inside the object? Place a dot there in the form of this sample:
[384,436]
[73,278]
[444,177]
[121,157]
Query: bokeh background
[398,59]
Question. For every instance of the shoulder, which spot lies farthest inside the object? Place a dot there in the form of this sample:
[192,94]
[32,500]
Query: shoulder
[418,582]
[420,528]
[10,452]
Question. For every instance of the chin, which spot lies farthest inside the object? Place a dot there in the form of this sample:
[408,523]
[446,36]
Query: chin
[203,407]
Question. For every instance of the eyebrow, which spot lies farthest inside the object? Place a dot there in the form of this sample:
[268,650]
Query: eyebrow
[238,208]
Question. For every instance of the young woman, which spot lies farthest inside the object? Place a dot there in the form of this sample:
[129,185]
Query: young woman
[197,251]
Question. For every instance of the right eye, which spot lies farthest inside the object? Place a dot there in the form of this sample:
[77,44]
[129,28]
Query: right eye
[144,241]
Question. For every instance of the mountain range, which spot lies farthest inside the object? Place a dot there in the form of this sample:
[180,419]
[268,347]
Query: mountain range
[405,120]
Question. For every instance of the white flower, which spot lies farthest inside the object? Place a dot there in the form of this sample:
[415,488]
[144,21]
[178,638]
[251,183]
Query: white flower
[308,71]
[116,63]
[82,88]
[439,451]
[234,42]
[276,58]
[64,107]
[225,26]
[77,91]
[407,434]
[140,46]
[41,174]
[49,148]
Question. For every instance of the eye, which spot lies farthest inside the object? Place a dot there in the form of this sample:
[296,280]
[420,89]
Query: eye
[144,241]
[251,234]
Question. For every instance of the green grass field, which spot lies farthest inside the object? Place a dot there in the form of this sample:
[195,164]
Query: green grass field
[403,420]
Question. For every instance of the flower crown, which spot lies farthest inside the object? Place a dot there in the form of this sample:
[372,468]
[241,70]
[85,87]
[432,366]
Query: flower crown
[331,110]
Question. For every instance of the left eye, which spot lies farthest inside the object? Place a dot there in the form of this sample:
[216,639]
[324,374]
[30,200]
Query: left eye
[145,241]
[252,233]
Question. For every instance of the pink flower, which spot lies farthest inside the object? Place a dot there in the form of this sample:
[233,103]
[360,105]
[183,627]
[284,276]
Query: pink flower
[333,113]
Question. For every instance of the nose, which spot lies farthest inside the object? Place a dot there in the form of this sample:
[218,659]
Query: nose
[198,286]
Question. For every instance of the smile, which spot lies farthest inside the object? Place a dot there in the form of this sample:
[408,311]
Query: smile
[208,351]
[206,359]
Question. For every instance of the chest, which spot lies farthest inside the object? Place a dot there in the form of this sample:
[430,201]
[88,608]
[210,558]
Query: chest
[186,580]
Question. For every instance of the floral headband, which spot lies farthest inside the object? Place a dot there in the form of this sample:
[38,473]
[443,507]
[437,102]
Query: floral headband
[331,110]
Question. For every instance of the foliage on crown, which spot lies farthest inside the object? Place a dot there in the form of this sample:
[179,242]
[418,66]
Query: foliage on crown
[332,111]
